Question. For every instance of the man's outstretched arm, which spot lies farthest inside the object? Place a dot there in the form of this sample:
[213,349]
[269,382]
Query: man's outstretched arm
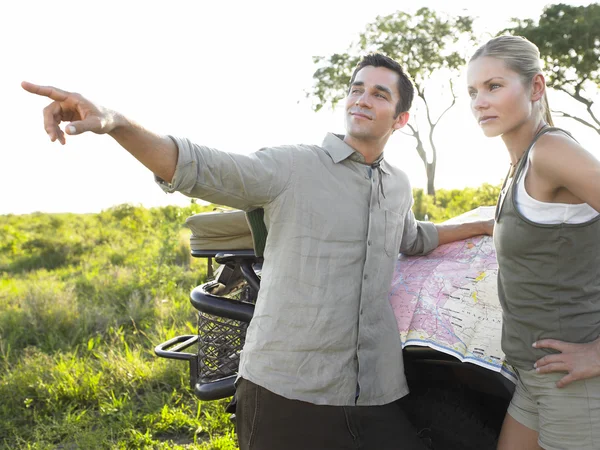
[157,153]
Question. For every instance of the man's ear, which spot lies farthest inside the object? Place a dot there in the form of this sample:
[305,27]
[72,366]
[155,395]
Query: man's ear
[538,87]
[401,120]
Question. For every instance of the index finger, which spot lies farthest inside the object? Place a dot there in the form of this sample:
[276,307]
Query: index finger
[47,91]
[555,344]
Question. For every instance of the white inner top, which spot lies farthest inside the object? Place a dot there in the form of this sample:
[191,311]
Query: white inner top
[549,213]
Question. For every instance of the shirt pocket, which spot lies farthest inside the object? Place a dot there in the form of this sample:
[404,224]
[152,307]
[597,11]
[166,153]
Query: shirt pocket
[391,245]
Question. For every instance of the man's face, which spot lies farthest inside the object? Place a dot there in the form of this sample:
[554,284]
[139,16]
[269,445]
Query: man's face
[371,105]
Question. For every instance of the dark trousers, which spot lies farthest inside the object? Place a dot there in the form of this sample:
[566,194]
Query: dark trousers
[267,421]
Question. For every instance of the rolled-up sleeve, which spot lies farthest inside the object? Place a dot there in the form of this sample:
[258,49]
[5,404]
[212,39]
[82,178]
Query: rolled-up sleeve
[241,181]
[418,238]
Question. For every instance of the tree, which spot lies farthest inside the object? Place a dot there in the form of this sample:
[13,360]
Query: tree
[425,44]
[569,41]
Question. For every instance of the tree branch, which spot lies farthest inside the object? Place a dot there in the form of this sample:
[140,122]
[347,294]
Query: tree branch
[576,96]
[413,129]
[578,119]
[594,118]
[428,114]
[451,105]
[420,149]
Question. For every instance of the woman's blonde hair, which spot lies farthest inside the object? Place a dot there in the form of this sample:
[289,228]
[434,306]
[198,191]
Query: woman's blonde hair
[520,56]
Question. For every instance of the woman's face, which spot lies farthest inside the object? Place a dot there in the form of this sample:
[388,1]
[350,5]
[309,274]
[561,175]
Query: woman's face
[500,102]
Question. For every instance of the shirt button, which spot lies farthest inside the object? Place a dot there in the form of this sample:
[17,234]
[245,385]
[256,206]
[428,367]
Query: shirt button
[369,242]
[361,312]
[366,276]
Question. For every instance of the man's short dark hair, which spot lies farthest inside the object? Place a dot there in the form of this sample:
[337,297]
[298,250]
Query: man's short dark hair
[406,88]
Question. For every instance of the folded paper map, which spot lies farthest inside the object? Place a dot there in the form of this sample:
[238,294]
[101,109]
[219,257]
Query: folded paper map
[448,300]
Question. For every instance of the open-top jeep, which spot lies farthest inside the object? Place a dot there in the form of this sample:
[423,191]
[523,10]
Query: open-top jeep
[453,404]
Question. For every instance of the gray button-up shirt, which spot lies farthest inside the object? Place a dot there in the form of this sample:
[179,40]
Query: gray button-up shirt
[323,325]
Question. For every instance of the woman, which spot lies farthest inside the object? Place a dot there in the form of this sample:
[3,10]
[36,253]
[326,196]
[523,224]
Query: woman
[547,237]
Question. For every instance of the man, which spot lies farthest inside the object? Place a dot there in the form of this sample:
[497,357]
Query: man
[322,364]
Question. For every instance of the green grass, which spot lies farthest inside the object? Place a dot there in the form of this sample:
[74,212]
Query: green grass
[83,301]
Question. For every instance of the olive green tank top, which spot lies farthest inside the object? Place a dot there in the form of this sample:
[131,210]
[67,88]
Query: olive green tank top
[548,277]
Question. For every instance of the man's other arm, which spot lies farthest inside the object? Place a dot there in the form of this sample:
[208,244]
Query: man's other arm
[457,232]
[420,238]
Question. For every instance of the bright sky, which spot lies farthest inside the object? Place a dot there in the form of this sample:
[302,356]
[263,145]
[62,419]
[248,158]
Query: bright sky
[231,75]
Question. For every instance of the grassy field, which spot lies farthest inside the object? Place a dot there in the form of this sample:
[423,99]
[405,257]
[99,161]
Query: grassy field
[83,301]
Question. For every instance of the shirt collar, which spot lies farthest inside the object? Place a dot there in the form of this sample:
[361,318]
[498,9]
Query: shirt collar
[338,150]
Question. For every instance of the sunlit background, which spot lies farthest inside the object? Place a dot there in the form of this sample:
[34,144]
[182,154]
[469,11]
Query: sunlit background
[232,75]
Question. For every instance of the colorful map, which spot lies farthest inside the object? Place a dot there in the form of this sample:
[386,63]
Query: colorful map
[448,300]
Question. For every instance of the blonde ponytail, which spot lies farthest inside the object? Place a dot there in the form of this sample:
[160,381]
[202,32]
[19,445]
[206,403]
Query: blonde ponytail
[546,110]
